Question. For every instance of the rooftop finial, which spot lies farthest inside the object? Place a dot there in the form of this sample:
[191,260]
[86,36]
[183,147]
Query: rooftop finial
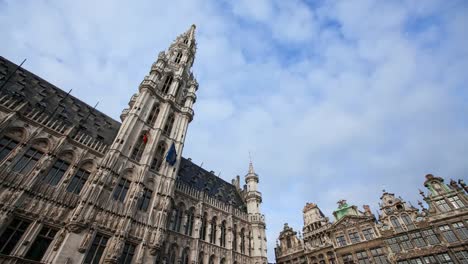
[251,169]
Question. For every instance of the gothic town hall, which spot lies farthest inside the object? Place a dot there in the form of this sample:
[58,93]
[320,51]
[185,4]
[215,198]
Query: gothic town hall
[77,186]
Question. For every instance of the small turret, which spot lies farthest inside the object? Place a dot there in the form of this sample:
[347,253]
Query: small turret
[253,199]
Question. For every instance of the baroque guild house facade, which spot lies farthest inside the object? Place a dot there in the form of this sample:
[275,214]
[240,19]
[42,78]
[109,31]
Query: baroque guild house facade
[401,234]
[77,186]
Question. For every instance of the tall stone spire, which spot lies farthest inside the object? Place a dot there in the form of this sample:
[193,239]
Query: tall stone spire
[155,122]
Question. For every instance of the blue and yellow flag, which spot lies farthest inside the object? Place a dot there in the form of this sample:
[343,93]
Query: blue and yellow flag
[171,156]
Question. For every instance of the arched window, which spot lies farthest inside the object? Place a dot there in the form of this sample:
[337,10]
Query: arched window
[167,84]
[139,147]
[213,230]
[29,159]
[234,238]
[56,173]
[189,223]
[178,57]
[143,202]
[173,254]
[212,259]
[396,224]
[223,261]
[121,190]
[179,217]
[158,157]
[178,91]
[242,237]
[173,218]
[78,180]
[203,226]
[7,144]
[185,256]
[200,257]
[407,221]
[153,114]
[222,241]
[169,124]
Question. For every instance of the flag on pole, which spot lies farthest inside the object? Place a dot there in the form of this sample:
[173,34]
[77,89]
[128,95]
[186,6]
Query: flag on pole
[171,156]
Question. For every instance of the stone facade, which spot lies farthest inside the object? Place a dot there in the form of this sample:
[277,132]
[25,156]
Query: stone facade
[401,234]
[77,186]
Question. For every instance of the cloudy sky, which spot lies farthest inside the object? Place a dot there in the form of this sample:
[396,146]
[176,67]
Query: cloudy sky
[334,99]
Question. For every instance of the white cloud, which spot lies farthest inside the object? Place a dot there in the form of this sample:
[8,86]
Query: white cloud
[335,101]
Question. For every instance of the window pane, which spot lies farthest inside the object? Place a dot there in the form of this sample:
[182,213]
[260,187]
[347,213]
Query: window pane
[95,251]
[6,146]
[12,235]
[41,244]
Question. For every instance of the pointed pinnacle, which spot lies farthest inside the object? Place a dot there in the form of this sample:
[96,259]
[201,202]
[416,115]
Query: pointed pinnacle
[251,168]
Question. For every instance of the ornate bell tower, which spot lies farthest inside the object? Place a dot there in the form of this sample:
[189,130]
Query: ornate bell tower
[136,178]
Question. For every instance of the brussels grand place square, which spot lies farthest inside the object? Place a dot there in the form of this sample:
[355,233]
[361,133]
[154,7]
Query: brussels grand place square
[233,132]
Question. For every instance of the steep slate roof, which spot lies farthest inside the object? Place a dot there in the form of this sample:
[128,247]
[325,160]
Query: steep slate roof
[39,93]
[202,180]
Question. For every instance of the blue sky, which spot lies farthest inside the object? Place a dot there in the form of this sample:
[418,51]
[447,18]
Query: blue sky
[334,99]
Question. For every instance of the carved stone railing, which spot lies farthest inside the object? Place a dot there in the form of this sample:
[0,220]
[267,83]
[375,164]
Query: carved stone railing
[256,218]
[90,142]
[9,102]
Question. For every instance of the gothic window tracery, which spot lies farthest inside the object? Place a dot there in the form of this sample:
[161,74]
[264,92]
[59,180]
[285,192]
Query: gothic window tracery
[185,256]
[144,200]
[56,173]
[213,230]
[222,241]
[158,157]
[121,190]
[169,124]
[203,226]
[173,255]
[167,84]
[242,237]
[154,113]
[139,147]
[29,159]
[212,259]
[200,257]
[78,180]
[7,144]
[189,223]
